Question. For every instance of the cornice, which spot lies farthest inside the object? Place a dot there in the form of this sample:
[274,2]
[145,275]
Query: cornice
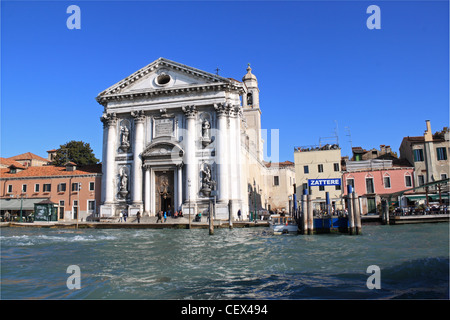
[104,99]
[86,175]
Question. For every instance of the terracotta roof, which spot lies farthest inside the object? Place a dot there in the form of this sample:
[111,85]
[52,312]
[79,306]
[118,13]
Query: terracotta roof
[358,150]
[46,171]
[401,163]
[422,139]
[286,163]
[5,162]
[28,156]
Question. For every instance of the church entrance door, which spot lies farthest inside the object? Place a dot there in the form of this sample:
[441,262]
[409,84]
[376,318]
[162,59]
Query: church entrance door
[166,204]
[164,189]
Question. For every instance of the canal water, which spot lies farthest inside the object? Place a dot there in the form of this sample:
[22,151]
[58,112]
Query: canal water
[241,263]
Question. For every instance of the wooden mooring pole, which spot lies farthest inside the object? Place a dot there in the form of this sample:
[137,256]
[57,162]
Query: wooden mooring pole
[351,216]
[310,214]
[230,216]
[211,217]
[385,211]
[356,214]
[304,215]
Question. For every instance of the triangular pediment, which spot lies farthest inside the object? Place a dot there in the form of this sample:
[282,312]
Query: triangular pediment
[163,151]
[163,147]
[163,75]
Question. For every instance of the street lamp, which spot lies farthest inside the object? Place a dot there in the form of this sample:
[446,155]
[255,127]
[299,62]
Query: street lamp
[21,206]
[189,195]
[254,188]
[290,203]
[211,221]
[213,186]
[79,203]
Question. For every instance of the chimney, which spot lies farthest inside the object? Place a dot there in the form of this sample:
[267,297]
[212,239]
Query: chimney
[428,136]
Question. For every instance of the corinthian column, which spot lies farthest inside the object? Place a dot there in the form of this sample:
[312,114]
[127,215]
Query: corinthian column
[232,154]
[190,113]
[109,121]
[147,197]
[138,147]
[221,150]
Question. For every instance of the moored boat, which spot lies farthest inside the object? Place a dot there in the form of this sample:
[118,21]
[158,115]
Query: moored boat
[282,224]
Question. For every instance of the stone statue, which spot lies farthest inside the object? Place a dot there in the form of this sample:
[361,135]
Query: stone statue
[207,182]
[205,129]
[125,142]
[206,176]
[206,138]
[164,186]
[123,184]
[123,181]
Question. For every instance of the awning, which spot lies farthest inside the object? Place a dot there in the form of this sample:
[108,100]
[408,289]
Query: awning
[15,204]
[416,197]
[436,196]
[423,197]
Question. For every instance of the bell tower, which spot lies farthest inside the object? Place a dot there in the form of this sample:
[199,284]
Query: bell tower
[251,97]
[252,112]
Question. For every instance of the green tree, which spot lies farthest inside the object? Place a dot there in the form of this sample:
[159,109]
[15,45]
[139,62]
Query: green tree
[75,151]
[440,134]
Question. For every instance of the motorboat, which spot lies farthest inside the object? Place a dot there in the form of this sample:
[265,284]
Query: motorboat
[282,224]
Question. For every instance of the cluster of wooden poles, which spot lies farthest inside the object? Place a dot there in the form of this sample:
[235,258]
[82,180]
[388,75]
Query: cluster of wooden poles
[354,215]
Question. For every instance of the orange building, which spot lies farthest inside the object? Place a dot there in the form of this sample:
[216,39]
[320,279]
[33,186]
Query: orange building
[23,186]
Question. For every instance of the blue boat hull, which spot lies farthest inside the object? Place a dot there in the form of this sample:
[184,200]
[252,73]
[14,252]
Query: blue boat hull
[339,224]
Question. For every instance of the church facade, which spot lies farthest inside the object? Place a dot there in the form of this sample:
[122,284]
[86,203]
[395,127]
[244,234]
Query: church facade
[176,138]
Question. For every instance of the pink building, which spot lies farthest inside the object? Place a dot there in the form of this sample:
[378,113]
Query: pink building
[371,179]
[22,187]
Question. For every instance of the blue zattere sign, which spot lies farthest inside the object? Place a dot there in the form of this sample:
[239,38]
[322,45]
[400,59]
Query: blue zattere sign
[324,182]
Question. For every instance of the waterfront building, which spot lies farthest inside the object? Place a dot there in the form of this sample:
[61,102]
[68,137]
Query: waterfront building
[317,164]
[374,179]
[177,138]
[385,152]
[70,189]
[280,185]
[428,154]
[27,159]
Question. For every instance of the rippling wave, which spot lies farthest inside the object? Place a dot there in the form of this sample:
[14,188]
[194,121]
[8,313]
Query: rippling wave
[231,264]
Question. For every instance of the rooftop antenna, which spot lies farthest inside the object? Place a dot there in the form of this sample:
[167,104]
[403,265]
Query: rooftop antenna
[335,138]
[336,132]
[349,135]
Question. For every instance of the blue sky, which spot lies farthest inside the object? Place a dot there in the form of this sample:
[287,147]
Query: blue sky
[318,65]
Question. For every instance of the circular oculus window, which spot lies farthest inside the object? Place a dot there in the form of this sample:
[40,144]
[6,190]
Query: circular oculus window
[163,79]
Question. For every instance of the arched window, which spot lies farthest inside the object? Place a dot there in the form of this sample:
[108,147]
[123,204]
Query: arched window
[350,181]
[369,183]
[387,181]
[408,179]
[249,99]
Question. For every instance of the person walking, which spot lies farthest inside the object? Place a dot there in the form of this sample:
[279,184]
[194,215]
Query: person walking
[125,215]
[120,216]
[158,215]
[165,216]
[138,216]
[239,214]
